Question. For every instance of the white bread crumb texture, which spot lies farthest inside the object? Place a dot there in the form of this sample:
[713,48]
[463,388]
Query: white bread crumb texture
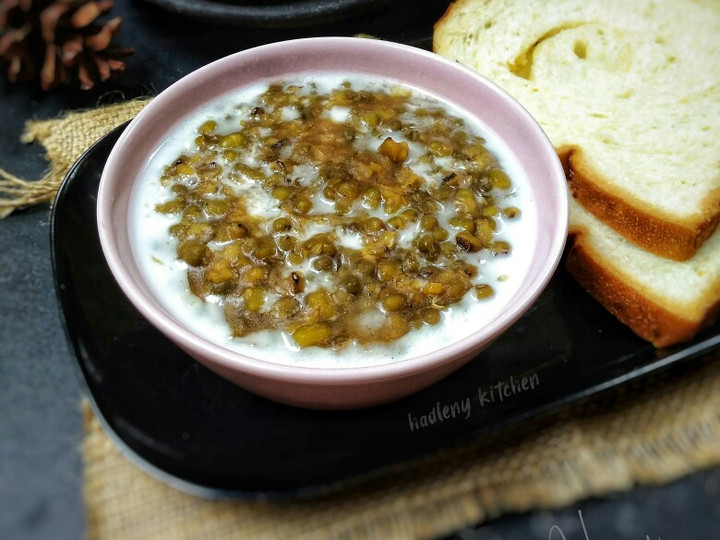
[636,85]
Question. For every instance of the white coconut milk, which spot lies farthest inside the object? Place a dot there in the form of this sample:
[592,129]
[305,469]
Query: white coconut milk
[155,249]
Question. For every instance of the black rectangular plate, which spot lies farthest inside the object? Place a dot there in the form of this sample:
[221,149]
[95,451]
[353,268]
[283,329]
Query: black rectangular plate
[199,432]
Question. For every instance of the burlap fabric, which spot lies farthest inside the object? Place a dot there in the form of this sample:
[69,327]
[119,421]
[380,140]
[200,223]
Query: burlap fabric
[653,432]
[64,139]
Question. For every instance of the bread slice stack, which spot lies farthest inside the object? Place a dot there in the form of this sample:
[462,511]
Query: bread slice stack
[629,94]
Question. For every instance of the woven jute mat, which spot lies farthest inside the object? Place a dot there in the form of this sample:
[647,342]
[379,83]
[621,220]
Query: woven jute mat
[651,432]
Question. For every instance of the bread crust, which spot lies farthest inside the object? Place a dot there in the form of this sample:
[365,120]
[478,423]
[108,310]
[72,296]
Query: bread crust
[441,20]
[672,240]
[646,318]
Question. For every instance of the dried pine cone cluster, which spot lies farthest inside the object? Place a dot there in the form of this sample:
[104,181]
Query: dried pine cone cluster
[59,41]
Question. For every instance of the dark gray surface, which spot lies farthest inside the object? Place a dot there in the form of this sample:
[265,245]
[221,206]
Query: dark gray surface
[40,420]
[40,424]
[687,509]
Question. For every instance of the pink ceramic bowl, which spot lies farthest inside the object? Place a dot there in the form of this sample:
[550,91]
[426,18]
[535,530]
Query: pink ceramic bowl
[334,387]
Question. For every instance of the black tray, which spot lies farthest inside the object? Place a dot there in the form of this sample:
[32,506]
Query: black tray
[197,431]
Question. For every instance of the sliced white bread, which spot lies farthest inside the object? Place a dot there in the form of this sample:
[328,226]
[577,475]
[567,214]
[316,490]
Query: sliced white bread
[627,91]
[663,301]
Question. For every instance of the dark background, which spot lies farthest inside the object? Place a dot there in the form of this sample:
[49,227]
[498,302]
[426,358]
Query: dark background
[40,420]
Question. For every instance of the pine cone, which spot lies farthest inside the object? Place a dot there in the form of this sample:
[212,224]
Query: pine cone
[63,37]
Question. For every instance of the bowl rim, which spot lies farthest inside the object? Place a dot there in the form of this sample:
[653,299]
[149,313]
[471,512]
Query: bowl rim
[191,342]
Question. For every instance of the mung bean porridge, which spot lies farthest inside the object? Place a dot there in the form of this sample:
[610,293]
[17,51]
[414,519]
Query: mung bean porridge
[332,221]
